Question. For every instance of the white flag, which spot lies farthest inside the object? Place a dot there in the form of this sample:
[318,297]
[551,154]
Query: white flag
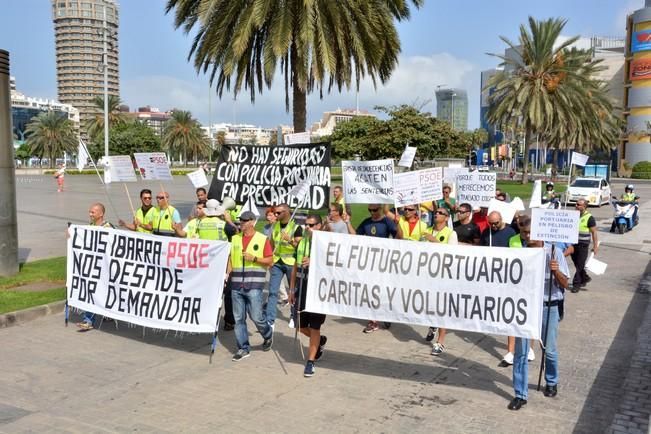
[250,206]
[301,189]
[198,178]
[579,159]
[82,156]
[536,195]
[407,158]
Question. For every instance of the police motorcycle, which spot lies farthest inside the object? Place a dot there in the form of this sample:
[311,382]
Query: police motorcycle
[626,209]
[549,199]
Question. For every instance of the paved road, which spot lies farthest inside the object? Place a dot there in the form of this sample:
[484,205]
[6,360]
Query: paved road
[115,380]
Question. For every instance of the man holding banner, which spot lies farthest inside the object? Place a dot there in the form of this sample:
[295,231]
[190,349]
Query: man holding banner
[285,236]
[165,216]
[410,226]
[559,274]
[143,217]
[309,323]
[251,255]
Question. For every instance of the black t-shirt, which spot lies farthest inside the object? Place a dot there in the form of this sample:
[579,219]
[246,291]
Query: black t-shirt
[496,239]
[467,233]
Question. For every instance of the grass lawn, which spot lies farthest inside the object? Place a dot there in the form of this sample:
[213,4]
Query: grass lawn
[523,191]
[11,301]
[46,270]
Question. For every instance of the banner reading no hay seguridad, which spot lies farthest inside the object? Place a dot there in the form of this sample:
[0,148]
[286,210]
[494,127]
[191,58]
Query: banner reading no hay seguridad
[268,173]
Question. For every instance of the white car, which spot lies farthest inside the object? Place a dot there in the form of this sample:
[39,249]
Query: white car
[595,190]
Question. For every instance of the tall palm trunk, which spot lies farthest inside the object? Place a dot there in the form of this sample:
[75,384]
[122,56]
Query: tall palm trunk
[299,95]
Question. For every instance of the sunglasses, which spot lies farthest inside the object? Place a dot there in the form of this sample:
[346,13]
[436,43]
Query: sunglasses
[160,197]
[441,213]
[311,225]
[494,223]
[410,209]
[278,212]
[462,211]
[146,198]
[373,209]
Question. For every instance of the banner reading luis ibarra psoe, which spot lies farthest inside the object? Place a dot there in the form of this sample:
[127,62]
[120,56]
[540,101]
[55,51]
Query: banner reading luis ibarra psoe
[479,289]
[158,282]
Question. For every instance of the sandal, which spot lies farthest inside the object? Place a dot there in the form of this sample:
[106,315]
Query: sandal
[371,327]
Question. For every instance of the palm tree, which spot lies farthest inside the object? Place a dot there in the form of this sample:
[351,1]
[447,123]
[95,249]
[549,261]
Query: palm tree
[95,125]
[182,133]
[543,86]
[320,43]
[51,134]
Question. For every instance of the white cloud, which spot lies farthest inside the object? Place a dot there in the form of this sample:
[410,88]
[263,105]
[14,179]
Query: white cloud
[414,81]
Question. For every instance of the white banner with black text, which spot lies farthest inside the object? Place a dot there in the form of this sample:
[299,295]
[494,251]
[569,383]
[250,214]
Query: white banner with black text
[480,289]
[158,282]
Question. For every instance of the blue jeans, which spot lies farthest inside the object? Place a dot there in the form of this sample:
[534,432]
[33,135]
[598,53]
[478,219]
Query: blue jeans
[520,363]
[275,277]
[248,302]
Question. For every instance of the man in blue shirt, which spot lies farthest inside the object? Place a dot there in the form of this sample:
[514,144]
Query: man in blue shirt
[560,272]
[381,226]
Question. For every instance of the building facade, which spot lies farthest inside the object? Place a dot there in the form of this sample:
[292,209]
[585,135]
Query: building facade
[331,119]
[78,32]
[236,134]
[24,109]
[152,117]
[637,98]
[452,107]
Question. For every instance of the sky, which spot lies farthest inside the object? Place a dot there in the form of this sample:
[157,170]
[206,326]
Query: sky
[445,43]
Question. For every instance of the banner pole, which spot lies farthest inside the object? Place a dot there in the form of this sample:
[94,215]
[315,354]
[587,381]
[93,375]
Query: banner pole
[100,179]
[213,345]
[66,311]
[549,300]
[569,179]
[298,312]
[133,211]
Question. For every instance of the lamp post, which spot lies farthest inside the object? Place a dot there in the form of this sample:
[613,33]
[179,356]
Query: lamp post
[8,219]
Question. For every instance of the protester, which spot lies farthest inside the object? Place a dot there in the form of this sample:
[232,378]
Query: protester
[285,236]
[587,231]
[164,217]
[467,231]
[381,226]
[499,235]
[480,218]
[447,202]
[410,226]
[202,195]
[251,254]
[338,221]
[271,219]
[555,261]
[309,323]
[143,216]
[338,194]
[59,175]
[441,233]
[96,214]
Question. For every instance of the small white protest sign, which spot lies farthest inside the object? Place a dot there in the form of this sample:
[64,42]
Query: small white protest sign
[536,195]
[506,209]
[250,206]
[198,178]
[555,225]
[121,168]
[596,266]
[517,204]
[579,159]
[153,166]
[418,186]
[450,173]
[476,188]
[368,181]
[407,158]
[297,138]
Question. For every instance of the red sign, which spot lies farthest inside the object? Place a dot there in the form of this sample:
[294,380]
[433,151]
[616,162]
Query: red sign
[640,69]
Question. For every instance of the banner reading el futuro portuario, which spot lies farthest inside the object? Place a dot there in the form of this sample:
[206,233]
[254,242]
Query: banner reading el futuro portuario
[479,289]
[268,174]
[158,282]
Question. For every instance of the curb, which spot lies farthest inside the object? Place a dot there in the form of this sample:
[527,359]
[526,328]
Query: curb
[22,316]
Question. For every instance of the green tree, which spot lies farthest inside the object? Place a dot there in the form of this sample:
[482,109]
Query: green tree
[316,44]
[51,134]
[125,139]
[543,86]
[183,134]
[95,125]
[23,152]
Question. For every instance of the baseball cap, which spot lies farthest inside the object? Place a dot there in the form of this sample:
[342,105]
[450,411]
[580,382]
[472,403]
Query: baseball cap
[213,208]
[246,216]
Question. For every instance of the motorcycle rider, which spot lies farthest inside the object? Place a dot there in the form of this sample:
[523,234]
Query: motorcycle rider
[549,193]
[629,196]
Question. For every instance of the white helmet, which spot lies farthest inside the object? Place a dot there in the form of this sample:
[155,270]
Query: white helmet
[630,187]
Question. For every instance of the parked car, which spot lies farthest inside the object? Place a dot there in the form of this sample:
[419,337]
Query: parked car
[595,190]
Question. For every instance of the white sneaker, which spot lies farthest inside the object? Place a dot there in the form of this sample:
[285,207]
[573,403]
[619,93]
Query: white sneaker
[291,323]
[531,356]
[508,358]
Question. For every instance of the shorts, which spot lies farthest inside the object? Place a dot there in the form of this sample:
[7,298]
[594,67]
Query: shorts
[311,320]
